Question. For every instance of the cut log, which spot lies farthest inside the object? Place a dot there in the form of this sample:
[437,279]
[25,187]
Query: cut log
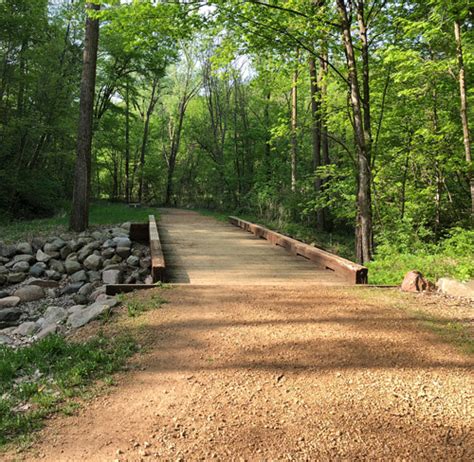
[157,258]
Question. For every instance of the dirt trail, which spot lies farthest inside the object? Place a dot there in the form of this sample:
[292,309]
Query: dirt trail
[275,372]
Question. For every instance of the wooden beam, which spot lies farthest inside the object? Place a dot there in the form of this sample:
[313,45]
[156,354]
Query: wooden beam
[350,271]
[114,289]
[158,265]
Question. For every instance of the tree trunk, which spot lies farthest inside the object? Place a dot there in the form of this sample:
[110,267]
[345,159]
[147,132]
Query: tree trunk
[316,135]
[80,202]
[294,125]
[463,109]
[364,208]
[127,142]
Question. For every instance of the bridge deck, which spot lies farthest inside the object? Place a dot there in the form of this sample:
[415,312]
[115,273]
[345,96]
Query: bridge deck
[201,250]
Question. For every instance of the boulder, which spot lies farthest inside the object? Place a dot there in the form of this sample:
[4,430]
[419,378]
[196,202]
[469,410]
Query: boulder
[109,244]
[118,232]
[9,317]
[65,251]
[132,260]
[80,299]
[9,302]
[79,276]
[123,252]
[455,288]
[54,315]
[26,329]
[87,250]
[82,317]
[24,257]
[122,242]
[54,275]
[38,269]
[57,265]
[93,262]
[29,293]
[94,276]
[75,308]
[15,278]
[7,251]
[72,266]
[45,331]
[108,252]
[97,235]
[21,267]
[86,289]
[76,245]
[112,276]
[4,293]
[24,248]
[415,282]
[42,256]
[58,243]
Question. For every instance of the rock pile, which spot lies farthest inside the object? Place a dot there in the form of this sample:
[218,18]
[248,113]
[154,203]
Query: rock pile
[58,284]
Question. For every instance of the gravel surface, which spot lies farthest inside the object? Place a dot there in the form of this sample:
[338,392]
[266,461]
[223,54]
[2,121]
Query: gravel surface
[276,373]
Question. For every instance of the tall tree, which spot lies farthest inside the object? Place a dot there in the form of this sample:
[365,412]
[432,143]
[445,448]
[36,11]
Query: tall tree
[80,202]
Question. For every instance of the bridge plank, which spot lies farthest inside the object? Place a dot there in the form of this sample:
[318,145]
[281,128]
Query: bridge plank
[350,271]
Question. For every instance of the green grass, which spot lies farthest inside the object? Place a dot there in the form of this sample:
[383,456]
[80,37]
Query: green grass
[40,379]
[101,213]
[136,306]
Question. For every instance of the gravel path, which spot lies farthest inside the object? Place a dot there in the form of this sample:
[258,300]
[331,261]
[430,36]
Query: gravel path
[274,372]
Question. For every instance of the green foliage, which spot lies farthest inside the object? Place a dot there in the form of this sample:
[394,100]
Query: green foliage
[137,306]
[40,379]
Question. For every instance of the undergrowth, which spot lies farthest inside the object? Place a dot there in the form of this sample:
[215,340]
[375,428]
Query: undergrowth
[40,379]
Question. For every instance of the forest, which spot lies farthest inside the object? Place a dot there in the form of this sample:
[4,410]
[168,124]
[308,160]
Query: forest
[345,123]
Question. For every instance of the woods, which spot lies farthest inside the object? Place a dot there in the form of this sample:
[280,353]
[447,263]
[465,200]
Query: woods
[351,119]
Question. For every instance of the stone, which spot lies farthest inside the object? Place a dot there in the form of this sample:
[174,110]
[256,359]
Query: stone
[9,317]
[87,250]
[3,279]
[71,288]
[4,293]
[93,262]
[65,251]
[122,242]
[145,262]
[455,288]
[75,308]
[97,235]
[42,256]
[86,289]
[132,260]
[9,302]
[93,296]
[82,317]
[15,278]
[54,275]
[37,243]
[38,269]
[7,251]
[126,226]
[108,252]
[45,284]
[72,266]
[79,276]
[94,276]
[123,252]
[109,244]
[24,248]
[58,243]
[80,299]
[111,276]
[26,329]
[21,267]
[57,265]
[24,257]
[51,248]
[148,280]
[29,293]
[118,232]
[415,282]
[6,340]
[76,245]
[110,301]
[48,330]
[3,269]
[54,315]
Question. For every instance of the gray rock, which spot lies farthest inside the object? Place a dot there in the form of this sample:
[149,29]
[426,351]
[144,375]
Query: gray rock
[93,262]
[3,279]
[24,247]
[75,308]
[57,265]
[76,245]
[96,293]
[111,276]
[72,266]
[48,330]
[54,275]
[24,257]
[4,293]
[29,293]
[123,252]
[7,251]
[108,252]
[82,317]
[71,288]
[38,269]
[109,244]
[132,260]
[97,235]
[26,329]
[58,243]
[6,340]
[3,269]
[54,315]
[110,301]
[79,276]
[9,301]
[87,250]
[455,288]
[93,276]
[45,284]
[51,248]
[118,232]
[80,299]
[65,251]
[86,289]
[21,267]
[42,256]
[145,262]
[9,317]
[126,226]
[37,243]
[14,278]
[122,242]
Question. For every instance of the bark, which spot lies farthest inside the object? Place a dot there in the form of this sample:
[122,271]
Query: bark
[127,143]
[294,125]
[364,207]
[463,107]
[80,201]
[316,135]
[267,147]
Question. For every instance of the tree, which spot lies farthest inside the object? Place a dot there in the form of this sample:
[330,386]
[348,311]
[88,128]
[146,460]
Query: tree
[80,202]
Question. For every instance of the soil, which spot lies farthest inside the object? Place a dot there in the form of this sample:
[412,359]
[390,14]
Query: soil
[281,371]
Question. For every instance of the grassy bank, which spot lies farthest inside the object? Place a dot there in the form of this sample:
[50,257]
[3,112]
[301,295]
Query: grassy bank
[101,213]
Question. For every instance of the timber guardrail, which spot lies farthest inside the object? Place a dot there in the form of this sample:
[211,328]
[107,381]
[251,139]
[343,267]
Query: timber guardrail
[348,270]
